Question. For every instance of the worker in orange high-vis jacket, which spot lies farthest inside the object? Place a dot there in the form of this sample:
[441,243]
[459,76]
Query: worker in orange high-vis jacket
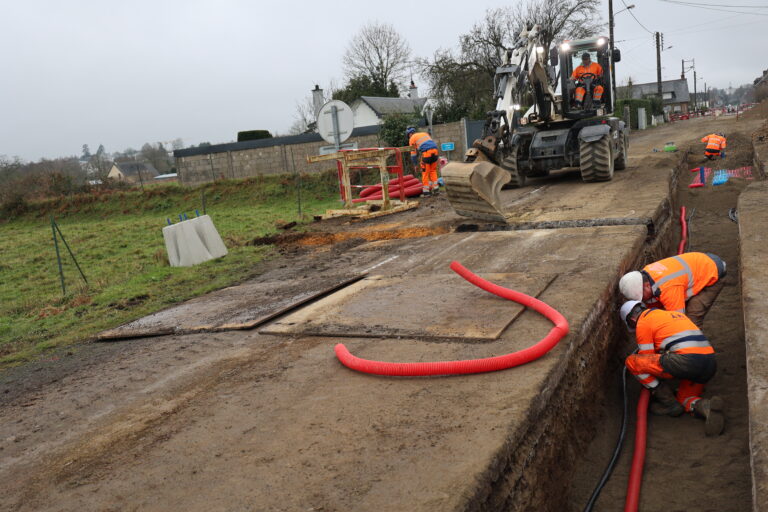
[587,66]
[687,283]
[423,145]
[715,145]
[670,346]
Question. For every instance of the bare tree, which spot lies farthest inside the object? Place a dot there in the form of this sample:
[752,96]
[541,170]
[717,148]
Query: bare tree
[378,51]
[559,19]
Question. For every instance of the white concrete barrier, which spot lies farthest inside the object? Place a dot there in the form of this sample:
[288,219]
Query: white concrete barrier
[193,241]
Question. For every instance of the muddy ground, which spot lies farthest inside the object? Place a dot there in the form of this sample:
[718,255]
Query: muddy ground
[194,419]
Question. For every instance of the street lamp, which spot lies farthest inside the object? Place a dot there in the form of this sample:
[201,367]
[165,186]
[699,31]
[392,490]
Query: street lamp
[610,35]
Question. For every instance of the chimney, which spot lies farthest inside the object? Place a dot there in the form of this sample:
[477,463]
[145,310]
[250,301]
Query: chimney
[413,91]
[318,100]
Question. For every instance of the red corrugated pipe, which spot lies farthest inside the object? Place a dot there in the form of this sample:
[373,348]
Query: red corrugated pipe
[488,364]
[641,429]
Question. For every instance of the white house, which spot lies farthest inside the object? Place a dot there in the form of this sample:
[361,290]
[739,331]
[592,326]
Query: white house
[370,110]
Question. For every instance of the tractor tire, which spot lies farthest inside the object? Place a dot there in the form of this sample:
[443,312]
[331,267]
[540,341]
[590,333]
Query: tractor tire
[596,160]
[509,164]
[621,161]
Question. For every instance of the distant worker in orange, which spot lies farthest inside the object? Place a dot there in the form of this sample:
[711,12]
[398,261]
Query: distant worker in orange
[688,283]
[592,69]
[670,346]
[715,145]
[422,144]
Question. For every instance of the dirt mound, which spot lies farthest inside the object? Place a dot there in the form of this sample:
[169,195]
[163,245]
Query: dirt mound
[317,239]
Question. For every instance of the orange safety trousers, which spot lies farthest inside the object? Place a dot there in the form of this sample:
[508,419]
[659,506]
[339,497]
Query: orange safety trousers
[647,368]
[429,170]
[597,93]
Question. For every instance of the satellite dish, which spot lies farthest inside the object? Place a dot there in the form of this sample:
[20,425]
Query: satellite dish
[328,129]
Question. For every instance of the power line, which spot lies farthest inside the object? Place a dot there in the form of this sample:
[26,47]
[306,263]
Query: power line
[688,32]
[635,17]
[710,8]
[701,4]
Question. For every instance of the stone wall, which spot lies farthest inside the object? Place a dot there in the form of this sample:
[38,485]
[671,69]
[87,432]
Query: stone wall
[285,158]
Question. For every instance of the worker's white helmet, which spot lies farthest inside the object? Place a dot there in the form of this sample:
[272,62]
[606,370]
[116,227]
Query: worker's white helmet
[626,309]
[631,285]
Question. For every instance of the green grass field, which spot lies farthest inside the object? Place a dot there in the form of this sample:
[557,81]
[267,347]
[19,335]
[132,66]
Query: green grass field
[118,242]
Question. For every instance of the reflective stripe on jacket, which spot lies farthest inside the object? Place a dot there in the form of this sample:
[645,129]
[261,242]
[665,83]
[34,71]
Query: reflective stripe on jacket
[594,68]
[421,142]
[675,280]
[668,331]
[715,143]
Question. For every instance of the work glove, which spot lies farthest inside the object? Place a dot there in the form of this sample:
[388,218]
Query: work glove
[415,160]
[722,154]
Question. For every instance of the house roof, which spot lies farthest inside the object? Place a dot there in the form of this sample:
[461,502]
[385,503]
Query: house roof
[382,106]
[678,87]
[133,168]
[267,143]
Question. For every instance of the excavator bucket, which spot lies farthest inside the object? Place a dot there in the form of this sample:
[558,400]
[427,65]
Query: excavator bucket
[473,189]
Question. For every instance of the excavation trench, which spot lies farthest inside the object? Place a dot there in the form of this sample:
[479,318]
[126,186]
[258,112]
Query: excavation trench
[684,470]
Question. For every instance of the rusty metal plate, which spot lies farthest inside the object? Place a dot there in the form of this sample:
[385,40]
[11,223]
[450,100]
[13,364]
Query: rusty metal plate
[434,306]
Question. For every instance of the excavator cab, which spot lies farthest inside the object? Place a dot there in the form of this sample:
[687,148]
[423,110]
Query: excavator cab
[569,55]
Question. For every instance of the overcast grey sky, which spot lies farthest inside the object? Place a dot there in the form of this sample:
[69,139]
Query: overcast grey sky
[124,73]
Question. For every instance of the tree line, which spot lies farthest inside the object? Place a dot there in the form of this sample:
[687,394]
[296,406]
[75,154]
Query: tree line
[378,60]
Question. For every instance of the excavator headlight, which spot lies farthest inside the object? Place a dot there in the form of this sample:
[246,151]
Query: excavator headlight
[565,47]
[539,49]
[600,41]
[516,106]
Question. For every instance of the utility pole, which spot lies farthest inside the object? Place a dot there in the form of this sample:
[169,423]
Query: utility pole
[658,63]
[610,42]
[695,98]
[682,69]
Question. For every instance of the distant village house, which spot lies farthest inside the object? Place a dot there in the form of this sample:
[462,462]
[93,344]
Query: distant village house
[133,172]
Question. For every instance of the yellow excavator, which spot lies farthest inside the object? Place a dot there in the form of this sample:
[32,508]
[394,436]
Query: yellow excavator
[554,133]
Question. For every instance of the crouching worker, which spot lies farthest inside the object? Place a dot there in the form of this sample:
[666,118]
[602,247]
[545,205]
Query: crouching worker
[670,346]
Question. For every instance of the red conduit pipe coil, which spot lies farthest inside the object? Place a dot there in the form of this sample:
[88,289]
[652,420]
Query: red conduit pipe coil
[393,188]
[641,429]
[411,190]
[488,364]
[374,188]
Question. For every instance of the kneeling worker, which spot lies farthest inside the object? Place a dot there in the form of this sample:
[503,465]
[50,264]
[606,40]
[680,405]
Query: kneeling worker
[688,283]
[670,346]
[715,145]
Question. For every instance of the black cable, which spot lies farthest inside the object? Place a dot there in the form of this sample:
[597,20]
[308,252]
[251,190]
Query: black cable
[633,15]
[616,450]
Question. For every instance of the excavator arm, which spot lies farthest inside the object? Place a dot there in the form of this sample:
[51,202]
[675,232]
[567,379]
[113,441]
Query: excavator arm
[473,185]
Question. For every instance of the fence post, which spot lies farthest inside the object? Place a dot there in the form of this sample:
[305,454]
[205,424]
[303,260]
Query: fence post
[58,255]
[70,252]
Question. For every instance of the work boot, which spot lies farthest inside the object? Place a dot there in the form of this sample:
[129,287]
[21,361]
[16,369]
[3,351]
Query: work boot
[435,191]
[664,402]
[711,410]
[426,193]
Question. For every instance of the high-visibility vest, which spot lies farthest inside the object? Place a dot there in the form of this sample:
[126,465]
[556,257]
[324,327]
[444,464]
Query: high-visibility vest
[421,142]
[669,331]
[715,143]
[594,68]
[675,280]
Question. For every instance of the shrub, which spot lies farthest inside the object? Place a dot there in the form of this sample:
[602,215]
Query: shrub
[253,135]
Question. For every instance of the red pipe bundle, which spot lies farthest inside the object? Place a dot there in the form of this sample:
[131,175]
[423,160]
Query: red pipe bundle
[393,184]
[489,364]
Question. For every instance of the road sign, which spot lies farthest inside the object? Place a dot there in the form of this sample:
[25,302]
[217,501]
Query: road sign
[335,122]
[447,146]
